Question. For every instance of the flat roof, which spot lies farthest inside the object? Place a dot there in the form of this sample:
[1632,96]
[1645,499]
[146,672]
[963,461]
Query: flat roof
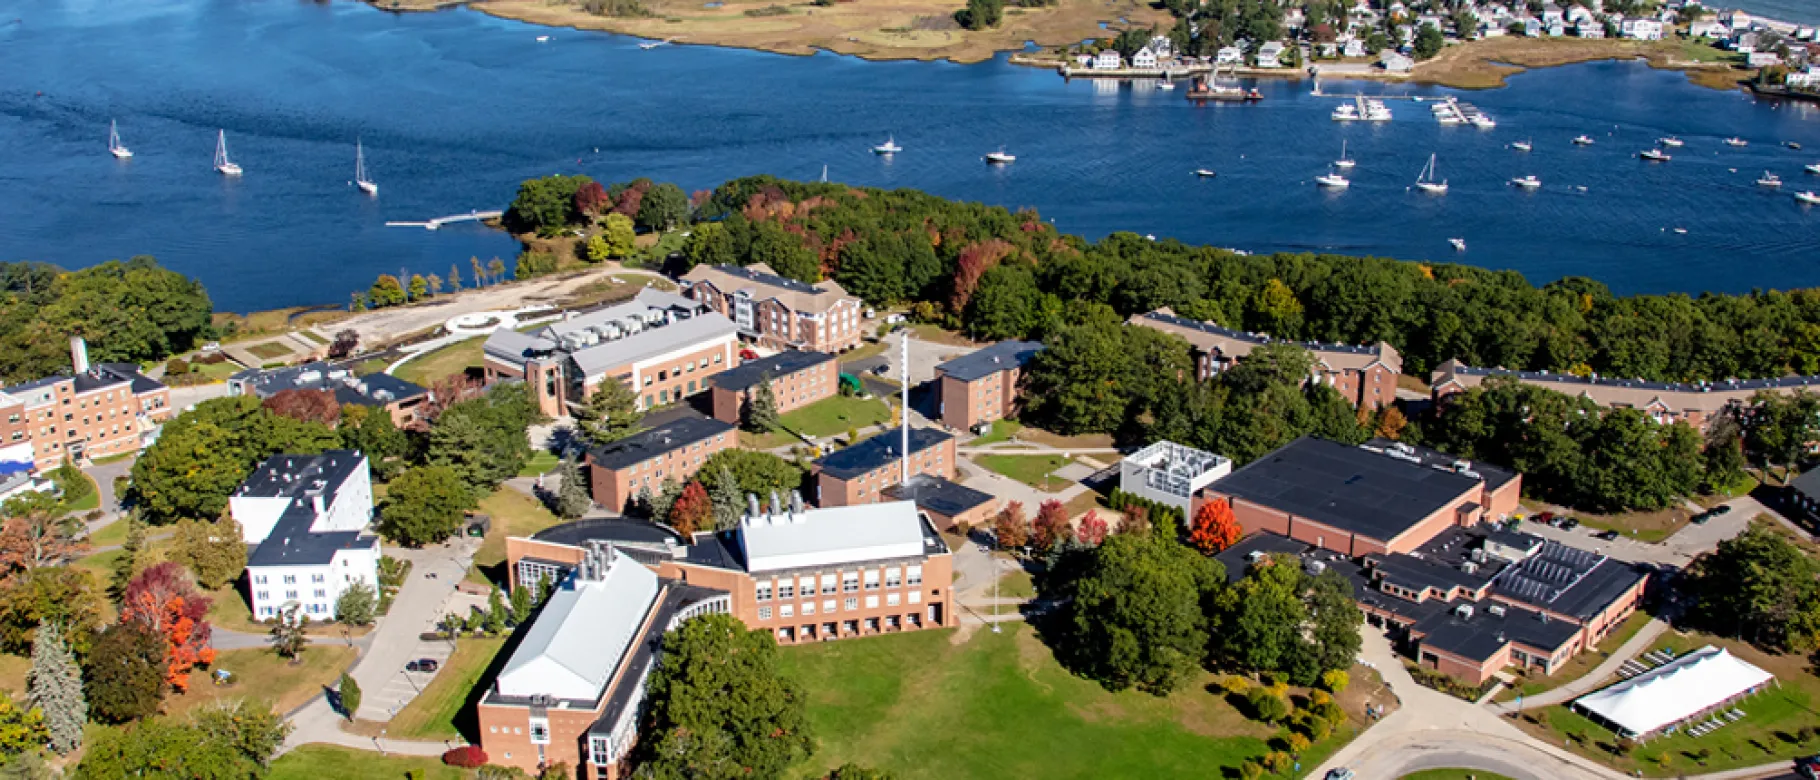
[835,536]
[782,364]
[650,443]
[1495,476]
[378,389]
[878,451]
[1237,558]
[1481,636]
[1568,580]
[609,529]
[981,363]
[1351,489]
[938,495]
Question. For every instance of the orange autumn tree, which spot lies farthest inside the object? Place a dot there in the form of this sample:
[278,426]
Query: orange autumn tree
[693,510]
[1215,528]
[1052,527]
[165,599]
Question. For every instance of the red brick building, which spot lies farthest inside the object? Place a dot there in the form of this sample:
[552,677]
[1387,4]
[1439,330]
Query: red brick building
[860,474]
[947,504]
[645,460]
[1695,403]
[982,386]
[779,312]
[98,411]
[1366,375]
[797,379]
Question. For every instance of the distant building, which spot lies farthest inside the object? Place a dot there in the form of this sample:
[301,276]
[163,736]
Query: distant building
[1270,55]
[1807,78]
[617,471]
[1229,55]
[1162,47]
[1552,14]
[797,379]
[308,517]
[1696,403]
[1393,62]
[1641,29]
[97,411]
[1737,21]
[1108,59]
[779,312]
[378,390]
[1143,58]
[1762,59]
[663,346]
[1364,375]
[1589,29]
[1171,473]
[982,386]
[1707,28]
[861,473]
[1354,48]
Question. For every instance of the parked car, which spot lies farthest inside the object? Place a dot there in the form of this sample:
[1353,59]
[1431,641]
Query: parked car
[422,665]
[747,354]
[1607,535]
[1341,773]
[1808,767]
[882,370]
[1545,518]
[1569,524]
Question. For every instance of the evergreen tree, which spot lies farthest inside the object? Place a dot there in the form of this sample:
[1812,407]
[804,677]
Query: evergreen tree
[666,498]
[521,606]
[55,686]
[610,414]
[125,679]
[761,408]
[729,502]
[572,497]
[643,503]
[497,615]
[349,693]
[127,564]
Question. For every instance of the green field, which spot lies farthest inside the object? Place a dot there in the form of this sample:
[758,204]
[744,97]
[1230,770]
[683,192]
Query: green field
[270,350]
[1036,471]
[835,415]
[316,762]
[439,363]
[1000,706]
[1002,430]
[514,514]
[541,461]
[434,714]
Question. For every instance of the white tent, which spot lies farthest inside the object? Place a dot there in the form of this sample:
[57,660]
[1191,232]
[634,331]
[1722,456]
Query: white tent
[1674,691]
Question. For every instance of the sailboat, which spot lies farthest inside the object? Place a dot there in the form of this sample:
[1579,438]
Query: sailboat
[365,184]
[888,147]
[1654,155]
[1426,180]
[1769,180]
[1344,161]
[114,146]
[222,163]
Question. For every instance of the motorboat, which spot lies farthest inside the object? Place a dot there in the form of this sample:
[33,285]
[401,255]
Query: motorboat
[222,164]
[888,147]
[1522,146]
[1165,84]
[1483,122]
[1654,155]
[1792,145]
[361,180]
[1808,198]
[1459,244]
[1000,157]
[1769,180]
[1736,141]
[1426,180]
[1526,182]
[1670,141]
[1814,169]
[1333,181]
[1583,140]
[1345,113]
[1204,173]
[543,39]
[1344,161]
[114,147]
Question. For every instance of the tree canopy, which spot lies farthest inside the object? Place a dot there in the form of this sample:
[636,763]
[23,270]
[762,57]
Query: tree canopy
[1138,615]
[206,452]
[1760,587]
[129,312]
[718,708]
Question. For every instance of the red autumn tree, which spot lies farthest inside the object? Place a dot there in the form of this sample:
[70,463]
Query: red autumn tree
[1093,529]
[305,405]
[591,198]
[37,534]
[1215,528]
[630,199]
[1052,527]
[693,511]
[1012,527]
[1137,521]
[974,262]
[165,599]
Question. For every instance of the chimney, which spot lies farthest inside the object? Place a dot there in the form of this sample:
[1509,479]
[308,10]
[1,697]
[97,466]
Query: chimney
[796,507]
[776,508]
[752,513]
[79,354]
[316,503]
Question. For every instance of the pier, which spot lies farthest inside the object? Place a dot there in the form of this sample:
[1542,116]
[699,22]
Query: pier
[437,223]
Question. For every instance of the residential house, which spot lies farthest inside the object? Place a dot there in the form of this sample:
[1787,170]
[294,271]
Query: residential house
[1762,59]
[1555,30]
[1143,58]
[1162,47]
[1270,54]
[1737,21]
[309,518]
[778,312]
[1553,15]
[1807,78]
[1108,59]
[1589,29]
[1641,29]
[1294,19]
[1532,27]
[1708,28]
[1229,55]
[1393,62]
[1354,47]
[1578,13]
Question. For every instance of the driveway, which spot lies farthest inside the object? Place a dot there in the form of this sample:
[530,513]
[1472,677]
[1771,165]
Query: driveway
[417,608]
[1677,550]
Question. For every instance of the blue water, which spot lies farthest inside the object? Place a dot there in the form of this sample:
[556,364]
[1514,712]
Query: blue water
[1796,11]
[455,108]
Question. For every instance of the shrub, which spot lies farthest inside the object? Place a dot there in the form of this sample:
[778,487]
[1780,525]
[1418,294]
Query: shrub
[1296,742]
[1250,770]
[1279,762]
[1317,728]
[465,757]
[1335,680]
[1319,697]
[1267,705]
[1234,683]
[1329,712]
[176,367]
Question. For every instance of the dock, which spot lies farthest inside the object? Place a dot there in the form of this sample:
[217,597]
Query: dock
[1072,72]
[437,223]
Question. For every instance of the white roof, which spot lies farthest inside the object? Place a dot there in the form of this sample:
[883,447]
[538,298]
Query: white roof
[833,536]
[581,634]
[1674,691]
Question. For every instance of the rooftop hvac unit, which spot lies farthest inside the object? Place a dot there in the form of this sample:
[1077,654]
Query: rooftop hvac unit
[1469,567]
[1478,555]
[1464,610]
[340,373]
[1315,567]
[306,377]
[1495,610]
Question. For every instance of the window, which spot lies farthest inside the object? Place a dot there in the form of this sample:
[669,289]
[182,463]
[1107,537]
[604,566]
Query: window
[317,577]
[849,582]
[916,575]
[599,752]
[259,579]
[290,579]
[828,585]
[786,611]
[916,597]
[321,594]
[806,586]
[871,602]
[764,592]
[764,613]
[265,611]
[786,590]
[891,599]
[540,732]
[871,579]
[290,594]
[808,608]
[852,604]
[828,605]
[264,594]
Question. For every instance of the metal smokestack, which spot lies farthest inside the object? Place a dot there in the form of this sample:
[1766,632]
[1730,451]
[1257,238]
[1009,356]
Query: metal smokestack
[79,354]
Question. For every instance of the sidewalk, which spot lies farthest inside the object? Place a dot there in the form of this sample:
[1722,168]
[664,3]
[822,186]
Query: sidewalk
[1593,679]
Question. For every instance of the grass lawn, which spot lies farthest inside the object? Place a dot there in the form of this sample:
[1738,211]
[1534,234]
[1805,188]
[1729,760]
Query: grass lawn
[314,762]
[835,415]
[88,502]
[998,705]
[863,351]
[1033,470]
[1581,664]
[270,350]
[434,713]
[311,335]
[1016,585]
[1454,774]
[264,676]
[1002,430]
[1767,732]
[371,366]
[541,461]
[12,674]
[109,535]
[514,514]
[99,565]
[924,331]
[439,363]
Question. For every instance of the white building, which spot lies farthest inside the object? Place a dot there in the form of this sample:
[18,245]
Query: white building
[1162,46]
[1762,59]
[1684,693]
[1354,48]
[1707,28]
[1270,55]
[1641,29]
[1143,58]
[1738,21]
[1552,15]
[1590,29]
[1804,79]
[309,516]
[1171,473]
[1108,60]
[1393,62]
[1229,55]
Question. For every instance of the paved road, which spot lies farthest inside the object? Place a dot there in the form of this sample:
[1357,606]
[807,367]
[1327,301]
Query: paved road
[1678,550]
[419,605]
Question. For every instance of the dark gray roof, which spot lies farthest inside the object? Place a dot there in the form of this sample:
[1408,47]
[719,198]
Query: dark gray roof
[1495,476]
[1568,580]
[98,377]
[648,444]
[1724,385]
[1517,539]
[301,477]
[782,364]
[1481,636]
[1808,484]
[934,494]
[772,280]
[370,390]
[1419,574]
[580,532]
[1002,356]
[1355,490]
[1254,338]
[1237,558]
[878,451]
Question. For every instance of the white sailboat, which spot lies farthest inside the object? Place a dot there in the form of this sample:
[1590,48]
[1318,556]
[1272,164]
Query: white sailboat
[1670,141]
[888,147]
[1769,180]
[1583,140]
[1808,198]
[361,180]
[1344,161]
[1736,141]
[1426,180]
[1203,173]
[114,146]
[1523,145]
[1459,244]
[222,163]
[1654,155]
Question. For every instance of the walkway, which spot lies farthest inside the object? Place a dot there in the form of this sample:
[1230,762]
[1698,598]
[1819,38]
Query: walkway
[1593,679]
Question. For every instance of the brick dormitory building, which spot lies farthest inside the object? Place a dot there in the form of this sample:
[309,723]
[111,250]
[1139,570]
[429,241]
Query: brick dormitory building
[778,312]
[1414,531]
[1365,375]
[1695,403]
[95,411]
[982,386]
[674,450]
[797,379]
[571,691]
[860,474]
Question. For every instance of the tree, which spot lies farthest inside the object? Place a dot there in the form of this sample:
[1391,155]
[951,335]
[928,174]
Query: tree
[127,564]
[125,678]
[59,595]
[1261,619]
[1335,620]
[729,502]
[288,633]
[317,406]
[22,730]
[371,432]
[1428,42]
[435,284]
[692,510]
[591,198]
[618,236]
[206,452]
[1215,528]
[521,604]
[348,691]
[496,269]
[386,291]
[55,687]
[756,473]
[346,341]
[37,534]
[665,499]
[454,278]
[980,14]
[1267,704]
[1761,587]
[425,505]
[1012,528]
[220,741]
[420,287]
[497,616]
[358,605]
[214,552]
[718,707]
[545,205]
[1135,615]
[1052,527]
[664,206]
[1093,529]
[165,600]
[610,414]
[572,497]
[761,409]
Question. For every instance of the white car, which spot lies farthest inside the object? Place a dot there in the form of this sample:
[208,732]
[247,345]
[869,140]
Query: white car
[1340,774]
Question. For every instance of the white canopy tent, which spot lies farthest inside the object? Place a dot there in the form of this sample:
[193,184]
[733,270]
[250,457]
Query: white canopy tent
[1673,692]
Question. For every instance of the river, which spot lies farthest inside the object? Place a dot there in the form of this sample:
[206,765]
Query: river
[455,108]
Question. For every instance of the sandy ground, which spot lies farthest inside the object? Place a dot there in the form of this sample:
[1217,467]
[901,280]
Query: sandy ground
[376,327]
[874,29]
[1484,64]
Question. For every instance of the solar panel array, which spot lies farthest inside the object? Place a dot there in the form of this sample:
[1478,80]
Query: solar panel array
[1549,573]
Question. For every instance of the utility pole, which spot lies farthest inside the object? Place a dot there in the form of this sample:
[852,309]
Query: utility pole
[904,374]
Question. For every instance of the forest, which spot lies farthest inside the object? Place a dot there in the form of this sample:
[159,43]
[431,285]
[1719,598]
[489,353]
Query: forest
[130,312]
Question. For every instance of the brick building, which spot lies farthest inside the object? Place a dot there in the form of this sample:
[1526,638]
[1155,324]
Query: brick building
[401,399]
[779,312]
[663,346]
[797,378]
[947,504]
[644,460]
[97,411]
[571,691]
[982,386]
[1695,403]
[1364,375]
[860,474]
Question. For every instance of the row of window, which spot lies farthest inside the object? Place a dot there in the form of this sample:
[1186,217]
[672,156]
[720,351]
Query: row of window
[313,608]
[690,367]
[849,604]
[849,582]
[290,579]
[289,595]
